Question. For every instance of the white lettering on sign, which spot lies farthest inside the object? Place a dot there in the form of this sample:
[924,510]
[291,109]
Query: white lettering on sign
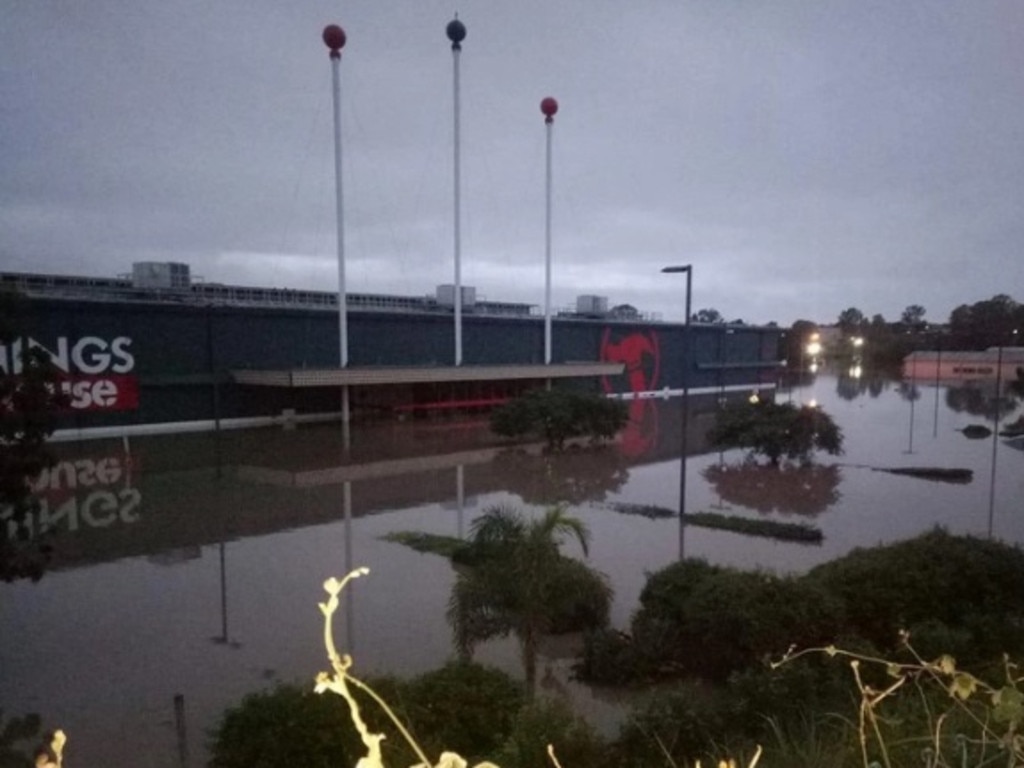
[91,393]
[88,354]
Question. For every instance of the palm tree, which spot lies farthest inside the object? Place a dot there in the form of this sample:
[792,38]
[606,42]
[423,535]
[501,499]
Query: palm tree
[515,579]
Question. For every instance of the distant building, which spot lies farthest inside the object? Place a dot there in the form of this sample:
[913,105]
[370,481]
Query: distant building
[160,350]
[964,366]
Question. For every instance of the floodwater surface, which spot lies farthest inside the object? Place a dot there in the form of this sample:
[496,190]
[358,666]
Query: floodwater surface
[189,568]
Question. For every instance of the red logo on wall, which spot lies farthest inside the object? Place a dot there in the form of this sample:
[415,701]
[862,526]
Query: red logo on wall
[641,355]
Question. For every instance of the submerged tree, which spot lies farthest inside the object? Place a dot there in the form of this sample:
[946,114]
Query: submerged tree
[516,580]
[30,397]
[777,430]
[560,414]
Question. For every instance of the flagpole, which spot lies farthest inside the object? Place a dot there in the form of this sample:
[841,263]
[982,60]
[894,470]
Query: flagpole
[334,38]
[549,107]
[456,32]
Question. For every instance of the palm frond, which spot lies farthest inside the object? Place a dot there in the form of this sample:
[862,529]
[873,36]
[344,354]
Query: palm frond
[556,523]
[473,612]
[500,524]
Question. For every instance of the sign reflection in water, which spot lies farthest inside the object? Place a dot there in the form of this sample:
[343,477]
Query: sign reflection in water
[122,624]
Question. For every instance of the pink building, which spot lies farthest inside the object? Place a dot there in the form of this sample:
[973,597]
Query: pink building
[964,366]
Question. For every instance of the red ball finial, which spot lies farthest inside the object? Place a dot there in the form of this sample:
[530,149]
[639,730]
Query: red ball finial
[334,38]
[549,107]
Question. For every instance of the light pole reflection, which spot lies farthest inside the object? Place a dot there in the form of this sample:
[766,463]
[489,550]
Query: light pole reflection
[224,638]
[688,270]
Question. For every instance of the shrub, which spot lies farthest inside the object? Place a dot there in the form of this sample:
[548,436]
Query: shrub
[734,619]
[790,695]
[550,721]
[709,621]
[285,727]
[928,712]
[463,707]
[953,589]
[557,415]
[610,657]
[674,727]
[13,733]
[589,601]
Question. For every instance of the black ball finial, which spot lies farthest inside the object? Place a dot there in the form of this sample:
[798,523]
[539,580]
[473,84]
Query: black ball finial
[456,32]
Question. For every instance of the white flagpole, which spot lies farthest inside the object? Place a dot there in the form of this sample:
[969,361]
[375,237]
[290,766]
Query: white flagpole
[456,32]
[549,107]
[334,38]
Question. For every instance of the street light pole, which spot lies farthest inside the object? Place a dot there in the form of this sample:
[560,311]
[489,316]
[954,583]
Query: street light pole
[688,269]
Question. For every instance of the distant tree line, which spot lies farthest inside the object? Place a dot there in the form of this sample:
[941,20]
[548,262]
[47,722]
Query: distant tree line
[989,323]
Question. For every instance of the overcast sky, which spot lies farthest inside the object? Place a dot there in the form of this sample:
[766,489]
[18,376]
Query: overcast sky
[803,155]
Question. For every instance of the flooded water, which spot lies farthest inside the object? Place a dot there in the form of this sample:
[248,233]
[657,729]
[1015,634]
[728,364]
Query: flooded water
[190,567]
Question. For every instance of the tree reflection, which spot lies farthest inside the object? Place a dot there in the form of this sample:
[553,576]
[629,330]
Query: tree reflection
[979,402]
[1016,387]
[850,387]
[909,391]
[800,490]
[572,477]
[876,386]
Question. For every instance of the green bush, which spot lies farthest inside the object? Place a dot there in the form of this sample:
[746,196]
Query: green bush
[674,728]
[462,707]
[550,721]
[14,753]
[734,619]
[790,694]
[285,727]
[610,657]
[709,621]
[556,415]
[957,589]
[589,601]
